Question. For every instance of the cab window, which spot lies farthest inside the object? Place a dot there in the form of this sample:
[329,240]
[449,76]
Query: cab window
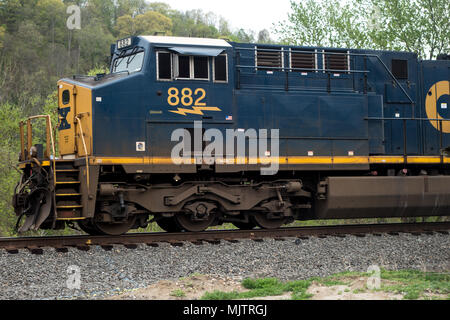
[171,66]
[220,68]
[128,62]
[164,65]
[191,67]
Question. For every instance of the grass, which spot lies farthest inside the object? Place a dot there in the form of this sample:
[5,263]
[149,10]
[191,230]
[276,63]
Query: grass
[416,284]
[178,293]
[411,284]
[263,288]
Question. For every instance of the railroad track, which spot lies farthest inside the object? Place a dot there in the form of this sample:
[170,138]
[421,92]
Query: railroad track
[36,245]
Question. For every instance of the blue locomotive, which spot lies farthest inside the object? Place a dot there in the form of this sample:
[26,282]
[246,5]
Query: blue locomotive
[197,132]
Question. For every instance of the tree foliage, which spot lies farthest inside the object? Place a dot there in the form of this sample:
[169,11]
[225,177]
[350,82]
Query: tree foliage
[148,23]
[421,26]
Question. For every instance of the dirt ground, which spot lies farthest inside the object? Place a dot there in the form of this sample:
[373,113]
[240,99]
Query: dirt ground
[356,290]
[194,287]
[191,288]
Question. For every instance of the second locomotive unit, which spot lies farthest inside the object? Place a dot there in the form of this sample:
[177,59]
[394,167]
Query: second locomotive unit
[358,134]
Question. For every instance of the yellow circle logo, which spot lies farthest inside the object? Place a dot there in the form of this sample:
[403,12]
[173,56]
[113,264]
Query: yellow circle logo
[436,91]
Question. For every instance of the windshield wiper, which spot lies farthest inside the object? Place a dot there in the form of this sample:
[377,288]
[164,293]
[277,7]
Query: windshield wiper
[133,55]
[120,57]
[123,71]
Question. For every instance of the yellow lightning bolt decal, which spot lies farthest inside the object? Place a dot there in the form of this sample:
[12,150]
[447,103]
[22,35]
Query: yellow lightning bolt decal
[195,110]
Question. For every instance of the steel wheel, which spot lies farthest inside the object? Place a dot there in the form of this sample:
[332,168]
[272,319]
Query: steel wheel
[87,227]
[115,229]
[262,220]
[168,225]
[187,222]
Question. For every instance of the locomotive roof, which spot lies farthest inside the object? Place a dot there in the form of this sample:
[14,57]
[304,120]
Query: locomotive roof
[187,41]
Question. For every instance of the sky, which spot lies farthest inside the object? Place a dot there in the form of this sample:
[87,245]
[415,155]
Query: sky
[247,14]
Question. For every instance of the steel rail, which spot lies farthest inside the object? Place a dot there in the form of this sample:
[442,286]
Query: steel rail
[83,242]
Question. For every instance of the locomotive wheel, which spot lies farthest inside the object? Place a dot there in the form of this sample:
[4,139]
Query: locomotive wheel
[186,222]
[262,221]
[87,227]
[115,229]
[168,225]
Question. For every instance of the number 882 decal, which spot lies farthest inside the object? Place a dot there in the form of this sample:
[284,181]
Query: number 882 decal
[188,101]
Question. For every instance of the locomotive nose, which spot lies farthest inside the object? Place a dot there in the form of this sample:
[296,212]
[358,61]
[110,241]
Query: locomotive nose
[75,121]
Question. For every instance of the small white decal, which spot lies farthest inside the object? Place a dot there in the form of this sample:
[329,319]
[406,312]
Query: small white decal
[98,99]
[140,146]
[443,105]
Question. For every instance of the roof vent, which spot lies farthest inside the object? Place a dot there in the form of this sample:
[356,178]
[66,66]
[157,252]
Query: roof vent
[443,56]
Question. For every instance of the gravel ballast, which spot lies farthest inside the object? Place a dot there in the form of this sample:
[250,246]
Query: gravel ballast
[105,273]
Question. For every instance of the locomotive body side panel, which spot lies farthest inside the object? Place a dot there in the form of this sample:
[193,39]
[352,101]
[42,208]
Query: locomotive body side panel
[435,95]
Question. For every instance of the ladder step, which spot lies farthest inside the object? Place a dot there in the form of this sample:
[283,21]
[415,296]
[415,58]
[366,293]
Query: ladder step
[67,170]
[68,194]
[69,207]
[68,182]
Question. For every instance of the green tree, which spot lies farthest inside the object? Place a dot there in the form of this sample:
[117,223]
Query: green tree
[244,36]
[421,26]
[2,35]
[93,45]
[143,24]
[130,7]
[160,7]
[314,23]
[193,23]
[264,36]
[10,116]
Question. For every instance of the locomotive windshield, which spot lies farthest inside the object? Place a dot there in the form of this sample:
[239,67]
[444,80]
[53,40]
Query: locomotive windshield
[128,62]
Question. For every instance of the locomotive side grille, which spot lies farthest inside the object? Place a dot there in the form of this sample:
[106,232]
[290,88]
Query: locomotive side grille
[302,60]
[268,58]
[336,61]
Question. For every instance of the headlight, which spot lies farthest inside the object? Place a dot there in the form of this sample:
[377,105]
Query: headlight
[33,152]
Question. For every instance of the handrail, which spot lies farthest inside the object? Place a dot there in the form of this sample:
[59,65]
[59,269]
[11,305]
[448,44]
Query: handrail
[346,53]
[405,139]
[49,133]
[78,120]
[303,69]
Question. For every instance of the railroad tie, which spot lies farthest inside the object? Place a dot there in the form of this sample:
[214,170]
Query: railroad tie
[12,250]
[35,250]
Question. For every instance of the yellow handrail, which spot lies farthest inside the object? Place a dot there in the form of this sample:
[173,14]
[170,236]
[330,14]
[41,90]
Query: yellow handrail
[49,132]
[85,150]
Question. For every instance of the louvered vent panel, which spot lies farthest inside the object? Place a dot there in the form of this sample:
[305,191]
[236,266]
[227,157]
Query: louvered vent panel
[302,60]
[336,61]
[268,58]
